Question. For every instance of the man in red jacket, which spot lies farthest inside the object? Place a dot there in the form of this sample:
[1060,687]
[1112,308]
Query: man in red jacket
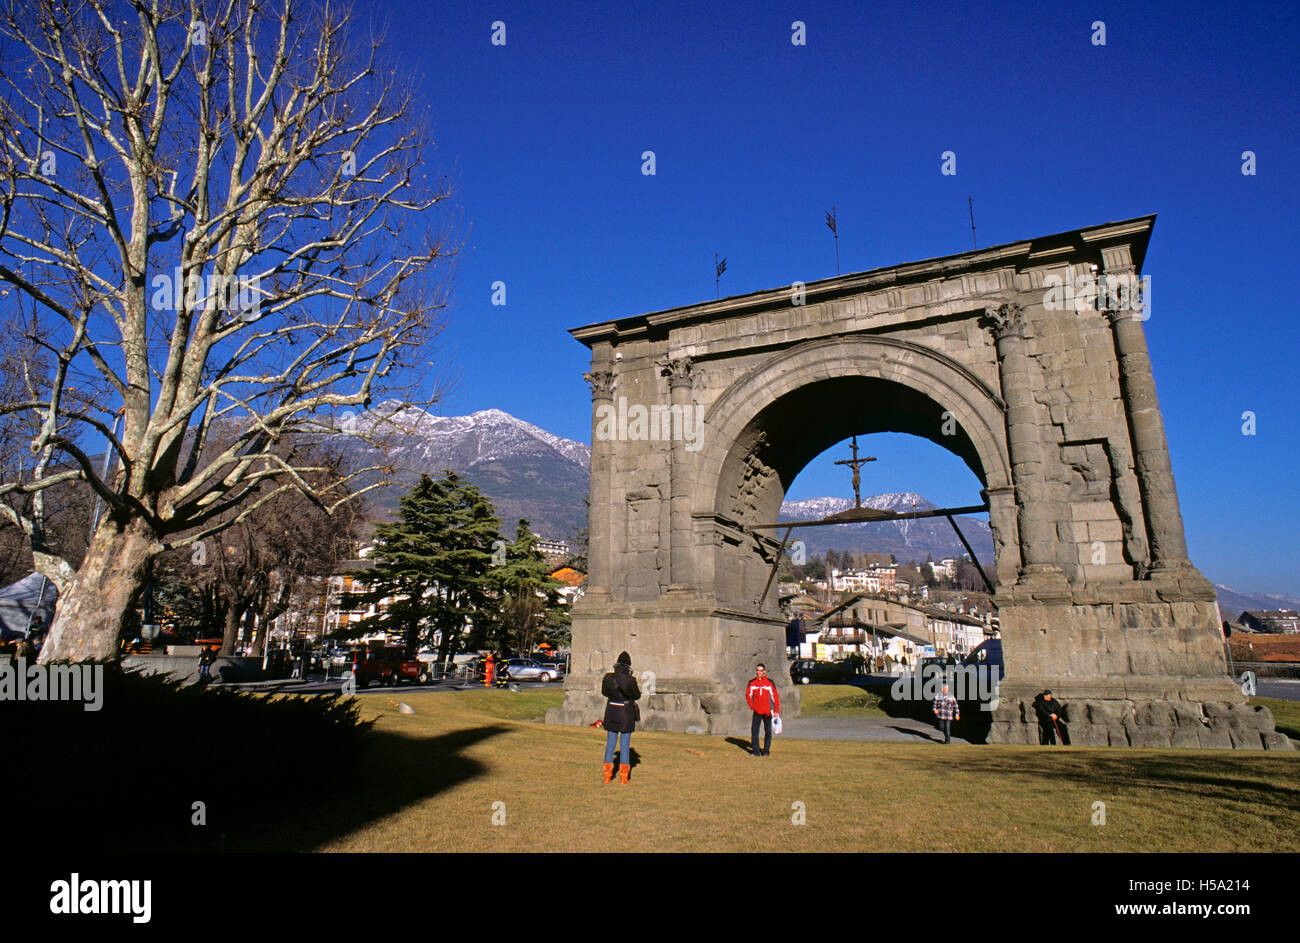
[761,696]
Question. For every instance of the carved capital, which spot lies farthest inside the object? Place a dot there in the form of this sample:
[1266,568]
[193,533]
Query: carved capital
[678,370]
[602,382]
[1004,320]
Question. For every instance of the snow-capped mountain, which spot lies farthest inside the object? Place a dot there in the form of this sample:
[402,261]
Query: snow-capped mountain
[531,473]
[907,540]
[525,470]
[483,436]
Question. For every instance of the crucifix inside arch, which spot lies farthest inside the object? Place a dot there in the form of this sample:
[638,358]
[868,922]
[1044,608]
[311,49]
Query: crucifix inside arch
[856,464]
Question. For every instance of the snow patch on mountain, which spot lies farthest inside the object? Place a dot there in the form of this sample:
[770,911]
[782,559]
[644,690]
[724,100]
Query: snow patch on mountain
[488,435]
[816,508]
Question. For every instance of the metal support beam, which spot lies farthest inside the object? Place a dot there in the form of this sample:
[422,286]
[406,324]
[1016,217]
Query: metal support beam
[871,515]
[775,565]
[973,559]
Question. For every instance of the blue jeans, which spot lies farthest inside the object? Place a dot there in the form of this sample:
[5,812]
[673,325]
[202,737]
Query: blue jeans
[612,737]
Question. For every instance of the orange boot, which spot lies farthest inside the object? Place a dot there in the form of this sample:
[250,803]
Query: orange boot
[609,772]
[623,773]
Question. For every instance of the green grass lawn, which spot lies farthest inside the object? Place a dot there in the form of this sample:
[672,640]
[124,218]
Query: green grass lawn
[838,700]
[433,781]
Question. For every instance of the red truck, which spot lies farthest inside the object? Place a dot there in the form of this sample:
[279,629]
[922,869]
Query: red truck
[385,665]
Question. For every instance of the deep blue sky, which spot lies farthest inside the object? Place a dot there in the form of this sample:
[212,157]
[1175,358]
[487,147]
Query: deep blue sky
[756,138]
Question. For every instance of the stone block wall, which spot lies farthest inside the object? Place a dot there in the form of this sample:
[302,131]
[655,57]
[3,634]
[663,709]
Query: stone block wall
[1057,415]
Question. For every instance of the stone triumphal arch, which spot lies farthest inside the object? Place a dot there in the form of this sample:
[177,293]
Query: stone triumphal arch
[1029,362]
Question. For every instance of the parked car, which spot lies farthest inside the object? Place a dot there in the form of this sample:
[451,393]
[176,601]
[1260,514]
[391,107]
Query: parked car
[943,662]
[977,704]
[988,652]
[385,665]
[806,671]
[525,669]
[556,662]
[279,663]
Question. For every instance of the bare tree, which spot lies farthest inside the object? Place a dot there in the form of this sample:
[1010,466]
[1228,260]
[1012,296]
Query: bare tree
[256,566]
[218,210]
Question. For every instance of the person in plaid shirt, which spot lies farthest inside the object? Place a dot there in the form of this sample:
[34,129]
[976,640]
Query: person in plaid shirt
[945,708]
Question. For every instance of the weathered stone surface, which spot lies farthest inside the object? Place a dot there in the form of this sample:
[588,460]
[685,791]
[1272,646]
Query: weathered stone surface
[1188,737]
[1188,715]
[1253,718]
[1243,738]
[1150,736]
[1057,411]
[1089,735]
[1275,740]
[1107,713]
[1012,733]
[1215,738]
[1156,714]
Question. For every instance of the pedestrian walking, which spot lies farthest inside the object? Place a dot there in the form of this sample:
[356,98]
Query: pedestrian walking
[489,670]
[761,696]
[621,714]
[946,710]
[206,657]
[1051,720]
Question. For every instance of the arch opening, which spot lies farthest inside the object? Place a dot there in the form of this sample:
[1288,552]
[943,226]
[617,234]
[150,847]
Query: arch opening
[786,434]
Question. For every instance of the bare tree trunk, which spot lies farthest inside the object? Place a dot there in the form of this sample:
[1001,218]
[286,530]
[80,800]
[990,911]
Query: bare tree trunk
[230,631]
[259,638]
[94,610]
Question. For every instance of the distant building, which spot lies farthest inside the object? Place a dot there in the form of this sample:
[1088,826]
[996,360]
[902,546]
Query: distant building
[339,612]
[874,579]
[945,569]
[1271,621]
[573,582]
[865,625]
[553,549]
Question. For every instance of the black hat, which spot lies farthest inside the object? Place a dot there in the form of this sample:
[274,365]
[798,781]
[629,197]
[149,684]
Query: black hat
[624,659]
[1045,693]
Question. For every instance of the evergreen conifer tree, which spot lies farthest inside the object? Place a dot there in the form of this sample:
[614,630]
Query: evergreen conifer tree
[435,564]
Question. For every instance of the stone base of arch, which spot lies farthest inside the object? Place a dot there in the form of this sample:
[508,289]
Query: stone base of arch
[1137,664]
[692,659]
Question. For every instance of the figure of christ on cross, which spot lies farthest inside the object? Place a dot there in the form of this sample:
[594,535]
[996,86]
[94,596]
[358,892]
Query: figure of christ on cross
[856,463]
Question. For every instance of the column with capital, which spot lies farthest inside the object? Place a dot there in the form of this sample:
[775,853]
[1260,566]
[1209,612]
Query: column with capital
[1155,475]
[1035,522]
[679,371]
[602,380]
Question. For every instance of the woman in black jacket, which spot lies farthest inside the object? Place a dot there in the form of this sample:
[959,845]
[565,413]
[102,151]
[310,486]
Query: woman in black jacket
[621,715]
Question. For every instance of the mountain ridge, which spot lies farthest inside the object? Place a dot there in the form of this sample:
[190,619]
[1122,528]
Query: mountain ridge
[531,473]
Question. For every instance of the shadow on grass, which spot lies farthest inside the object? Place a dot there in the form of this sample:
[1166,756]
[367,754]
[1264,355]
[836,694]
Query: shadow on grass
[164,767]
[743,743]
[1243,776]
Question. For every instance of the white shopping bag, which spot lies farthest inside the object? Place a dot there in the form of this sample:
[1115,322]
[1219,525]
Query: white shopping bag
[776,723]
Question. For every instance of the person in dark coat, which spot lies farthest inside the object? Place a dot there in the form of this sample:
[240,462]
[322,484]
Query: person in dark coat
[1051,719]
[621,715]
[206,658]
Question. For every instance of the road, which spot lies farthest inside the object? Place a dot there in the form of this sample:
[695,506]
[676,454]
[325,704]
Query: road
[335,686]
[1287,689]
